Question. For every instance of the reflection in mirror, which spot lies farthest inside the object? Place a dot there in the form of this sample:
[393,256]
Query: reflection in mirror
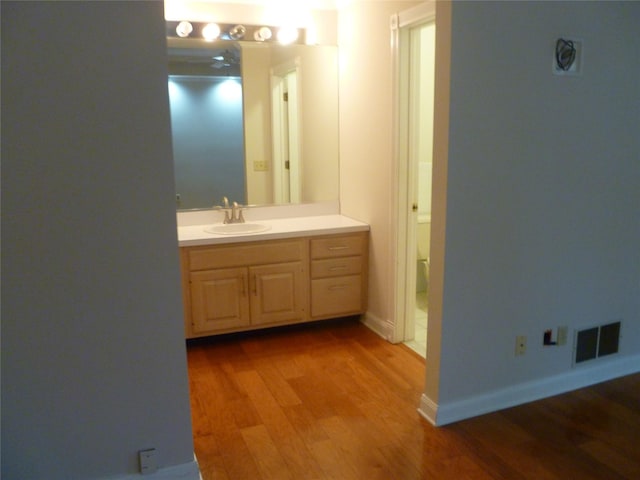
[205,97]
[267,136]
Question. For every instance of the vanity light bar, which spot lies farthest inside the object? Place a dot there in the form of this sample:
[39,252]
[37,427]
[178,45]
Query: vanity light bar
[236,32]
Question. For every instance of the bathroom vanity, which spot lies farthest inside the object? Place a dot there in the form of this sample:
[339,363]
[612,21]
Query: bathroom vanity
[299,270]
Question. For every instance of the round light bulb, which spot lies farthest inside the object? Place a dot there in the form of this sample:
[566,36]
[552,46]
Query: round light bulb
[184,29]
[287,35]
[262,34]
[210,32]
[237,32]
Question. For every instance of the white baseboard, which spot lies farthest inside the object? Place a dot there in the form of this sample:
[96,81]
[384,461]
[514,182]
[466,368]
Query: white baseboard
[382,327]
[184,471]
[442,414]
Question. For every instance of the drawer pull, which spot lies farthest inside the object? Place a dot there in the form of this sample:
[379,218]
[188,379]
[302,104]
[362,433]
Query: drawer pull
[337,267]
[337,287]
[339,247]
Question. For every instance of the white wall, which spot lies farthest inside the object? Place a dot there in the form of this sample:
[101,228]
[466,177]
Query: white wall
[535,191]
[542,199]
[257,121]
[366,186]
[319,94]
[93,356]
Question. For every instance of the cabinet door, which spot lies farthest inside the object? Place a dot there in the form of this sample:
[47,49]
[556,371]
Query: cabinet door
[219,299]
[278,293]
[336,296]
[336,267]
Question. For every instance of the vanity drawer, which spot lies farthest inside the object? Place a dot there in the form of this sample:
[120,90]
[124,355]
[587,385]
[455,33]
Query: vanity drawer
[336,296]
[253,253]
[338,246]
[335,267]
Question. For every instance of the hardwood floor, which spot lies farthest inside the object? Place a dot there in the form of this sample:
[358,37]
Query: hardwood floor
[335,401]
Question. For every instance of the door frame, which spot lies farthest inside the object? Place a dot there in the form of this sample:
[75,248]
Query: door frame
[404,195]
[285,120]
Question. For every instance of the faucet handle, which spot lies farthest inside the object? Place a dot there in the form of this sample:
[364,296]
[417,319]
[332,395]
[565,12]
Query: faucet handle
[225,202]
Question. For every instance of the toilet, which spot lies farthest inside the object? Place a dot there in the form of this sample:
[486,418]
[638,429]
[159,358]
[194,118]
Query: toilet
[423,244]
[423,231]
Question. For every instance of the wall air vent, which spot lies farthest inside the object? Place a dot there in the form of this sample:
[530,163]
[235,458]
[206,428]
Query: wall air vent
[596,342]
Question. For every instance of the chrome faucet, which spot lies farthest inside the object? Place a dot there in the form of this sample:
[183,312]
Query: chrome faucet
[236,213]
[233,214]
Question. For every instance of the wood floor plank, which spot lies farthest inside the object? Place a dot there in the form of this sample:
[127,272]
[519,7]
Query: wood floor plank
[265,453]
[334,464]
[333,400]
[305,424]
[364,459]
[210,459]
[505,449]
[290,445]
[288,366]
[244,412]
[559,453]
[612,458]
[199,416]
[277,385]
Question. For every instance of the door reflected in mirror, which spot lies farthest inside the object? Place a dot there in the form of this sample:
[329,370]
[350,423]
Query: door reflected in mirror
[254,122]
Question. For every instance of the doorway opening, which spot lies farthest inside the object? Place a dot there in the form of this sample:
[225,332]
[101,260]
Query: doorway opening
[286,132]
[415,68]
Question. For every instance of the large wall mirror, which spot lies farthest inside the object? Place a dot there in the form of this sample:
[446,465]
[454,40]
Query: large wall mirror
[255,122]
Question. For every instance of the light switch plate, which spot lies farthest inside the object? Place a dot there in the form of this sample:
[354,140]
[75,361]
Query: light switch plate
[259,166]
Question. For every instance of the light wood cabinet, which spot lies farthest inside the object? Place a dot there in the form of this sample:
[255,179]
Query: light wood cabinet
[244,286]
[338,275]
[279,293]
[219,300]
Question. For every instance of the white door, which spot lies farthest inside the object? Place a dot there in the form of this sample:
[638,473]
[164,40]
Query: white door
[286,132]
[414,52]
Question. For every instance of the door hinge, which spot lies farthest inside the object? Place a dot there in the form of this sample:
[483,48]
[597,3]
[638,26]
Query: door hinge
[414,207]
[285,97]
[287,165]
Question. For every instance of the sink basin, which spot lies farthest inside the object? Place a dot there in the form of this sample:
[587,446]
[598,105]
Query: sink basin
[236,228]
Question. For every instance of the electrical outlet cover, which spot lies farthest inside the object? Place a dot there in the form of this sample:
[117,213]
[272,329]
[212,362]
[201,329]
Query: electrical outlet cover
[562,335]
[148,461]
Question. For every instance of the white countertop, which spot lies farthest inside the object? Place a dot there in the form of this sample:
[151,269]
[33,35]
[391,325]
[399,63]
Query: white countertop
[279,228]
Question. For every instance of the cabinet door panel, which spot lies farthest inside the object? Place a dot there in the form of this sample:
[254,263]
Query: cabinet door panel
[219,299]
[278,293]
